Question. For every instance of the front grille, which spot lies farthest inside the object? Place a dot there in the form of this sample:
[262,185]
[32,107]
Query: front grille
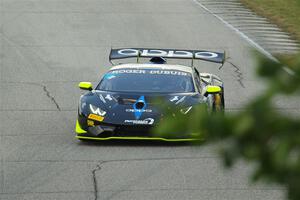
[112,130]
[132,131]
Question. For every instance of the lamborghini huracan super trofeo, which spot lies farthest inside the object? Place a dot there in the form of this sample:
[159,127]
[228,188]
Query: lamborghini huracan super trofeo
[123,106]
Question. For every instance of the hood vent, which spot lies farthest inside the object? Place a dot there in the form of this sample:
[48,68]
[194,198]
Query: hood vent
[139,105]
[126,101]
[158,60]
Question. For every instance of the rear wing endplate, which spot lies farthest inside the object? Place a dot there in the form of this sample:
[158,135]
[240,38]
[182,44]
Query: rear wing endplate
[209,56]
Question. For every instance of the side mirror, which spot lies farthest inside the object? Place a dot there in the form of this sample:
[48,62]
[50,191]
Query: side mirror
[85,86]
[211,89]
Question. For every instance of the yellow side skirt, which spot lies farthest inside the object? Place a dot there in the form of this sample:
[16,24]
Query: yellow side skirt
[138,138]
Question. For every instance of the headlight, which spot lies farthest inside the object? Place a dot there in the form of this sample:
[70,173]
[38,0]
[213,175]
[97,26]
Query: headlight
[185,110]
[96,110]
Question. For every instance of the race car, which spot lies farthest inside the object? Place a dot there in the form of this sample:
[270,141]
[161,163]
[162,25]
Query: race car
[123,106]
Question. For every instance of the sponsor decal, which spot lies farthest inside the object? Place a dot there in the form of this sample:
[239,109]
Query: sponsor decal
[139,106]
[152,72]
[148,121]
[129,71]
[132,110]
[168,72]
[206,55]
[96,117]
[128,52]
[168,53]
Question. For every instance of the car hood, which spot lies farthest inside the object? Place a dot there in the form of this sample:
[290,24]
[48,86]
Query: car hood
[138,108]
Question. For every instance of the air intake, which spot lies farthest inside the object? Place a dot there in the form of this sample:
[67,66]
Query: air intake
[158,60]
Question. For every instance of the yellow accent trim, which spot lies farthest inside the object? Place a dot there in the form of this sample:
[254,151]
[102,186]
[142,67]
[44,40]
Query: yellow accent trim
[85,85]
[78,129]
[138,138]
[96,117]
[213,89]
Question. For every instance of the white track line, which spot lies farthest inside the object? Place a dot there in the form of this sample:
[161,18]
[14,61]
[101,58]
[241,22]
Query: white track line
[249,40]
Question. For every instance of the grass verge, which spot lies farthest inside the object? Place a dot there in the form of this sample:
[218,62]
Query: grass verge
[284,13]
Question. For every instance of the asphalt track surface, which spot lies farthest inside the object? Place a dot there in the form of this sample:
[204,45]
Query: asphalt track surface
[48,46]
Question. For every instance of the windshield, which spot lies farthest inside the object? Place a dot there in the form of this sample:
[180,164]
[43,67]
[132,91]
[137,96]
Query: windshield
[147,80]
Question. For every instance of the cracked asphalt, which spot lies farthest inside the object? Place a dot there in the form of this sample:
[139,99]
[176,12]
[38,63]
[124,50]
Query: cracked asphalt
[48,46]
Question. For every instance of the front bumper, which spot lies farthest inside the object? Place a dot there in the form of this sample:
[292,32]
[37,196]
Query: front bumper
[106,132]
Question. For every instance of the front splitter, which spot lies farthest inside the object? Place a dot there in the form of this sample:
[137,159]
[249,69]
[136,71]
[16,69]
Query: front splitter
[139,138]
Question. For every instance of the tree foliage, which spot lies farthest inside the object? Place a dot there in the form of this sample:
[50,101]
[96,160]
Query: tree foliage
[259,133]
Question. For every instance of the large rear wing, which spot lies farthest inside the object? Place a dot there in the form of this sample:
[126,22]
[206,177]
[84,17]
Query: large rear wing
[167,53]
